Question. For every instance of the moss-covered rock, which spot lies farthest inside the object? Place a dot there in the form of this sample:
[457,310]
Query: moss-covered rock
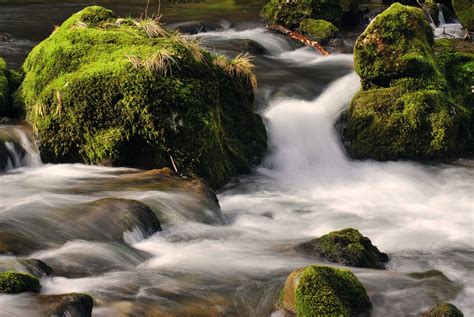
[319,30]
[9,82]
[4,88]
[126,92]
[16,282]
[347,247]
[324,291]
[443,310]
[465,11]
[291,13]
[405,108]
[73,304]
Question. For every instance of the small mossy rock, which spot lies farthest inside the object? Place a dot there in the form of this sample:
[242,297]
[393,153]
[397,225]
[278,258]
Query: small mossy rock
[324,291]
[347,247]
[443,310]
[406,109]
[319,30]
[464,9]
[291,13]
[71,305]
[126,92]
[16,282]
[32,266]
[9,82]
[120,219]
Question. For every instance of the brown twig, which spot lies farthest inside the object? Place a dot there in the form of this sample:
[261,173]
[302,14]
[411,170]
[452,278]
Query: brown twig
[299,37]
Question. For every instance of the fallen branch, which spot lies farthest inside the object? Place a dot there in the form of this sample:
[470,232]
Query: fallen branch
[299,37]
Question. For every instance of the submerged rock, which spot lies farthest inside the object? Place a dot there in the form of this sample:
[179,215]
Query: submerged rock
[347,247]
[324,291]
[16,282]
[406,109]
[465,12]
[319,30]
[437,284]
[248,46]
[290,13]
[126,92]
[32,266]
[120,219]
[443,310]
[71,305]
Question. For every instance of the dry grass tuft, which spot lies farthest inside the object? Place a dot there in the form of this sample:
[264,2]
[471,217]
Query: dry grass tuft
[160,62]
[81,25]
[241,65]
[193,45]
[152,27]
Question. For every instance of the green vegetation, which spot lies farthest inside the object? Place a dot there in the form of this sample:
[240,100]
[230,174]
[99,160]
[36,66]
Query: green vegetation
[347,247]
[292,13]
[443,310]
[465,11]
[409,106]
[125,92]
[319,30]
[324,291]
[15,282]
[4,88]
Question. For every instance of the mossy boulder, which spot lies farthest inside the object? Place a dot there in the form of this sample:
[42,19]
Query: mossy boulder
[347,247]
[9,82]
[324,291]
[319,30]
[291,13]
[73,304]
[124,92]
[465,11]
[16,282]
[405,109]
[443,310]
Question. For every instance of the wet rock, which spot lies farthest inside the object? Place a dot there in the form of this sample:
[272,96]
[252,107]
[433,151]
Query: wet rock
[319,30]
[71,305]
[443,310]
[347,247]
[324,291]
[13,243]
[246,45]
[337,42]
[196,27]
[170,102]
[17,282]
[428,274]
[5,37]
[121,219]
[33,266]
[405,109]
[11,154]
[437,284]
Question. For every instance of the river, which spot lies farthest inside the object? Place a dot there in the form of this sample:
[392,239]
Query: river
[207,263]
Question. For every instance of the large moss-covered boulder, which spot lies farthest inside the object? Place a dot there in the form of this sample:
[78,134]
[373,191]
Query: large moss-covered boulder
[16,282]
[443,310]
[324,291]
[347,247]
[319,30]
[291,13]
[465,11]
[405,109]
[9,82]
[126,92]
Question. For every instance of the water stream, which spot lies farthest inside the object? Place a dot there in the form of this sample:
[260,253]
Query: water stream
[233,261]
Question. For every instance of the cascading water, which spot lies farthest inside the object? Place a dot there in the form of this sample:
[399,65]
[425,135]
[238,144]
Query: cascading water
[17,148]
[233,263]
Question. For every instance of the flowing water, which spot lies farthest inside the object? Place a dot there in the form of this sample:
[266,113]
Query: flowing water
[233,261]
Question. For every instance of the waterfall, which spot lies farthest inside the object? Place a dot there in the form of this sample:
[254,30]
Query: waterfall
[17,148]
[441,18]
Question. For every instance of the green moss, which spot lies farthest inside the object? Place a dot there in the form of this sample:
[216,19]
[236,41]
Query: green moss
[4,89]
[292,13]
[465,11]
[319,30]
[127,92]
[408,107]
[324,291]
[347,247]
[443,310]
[15,282]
